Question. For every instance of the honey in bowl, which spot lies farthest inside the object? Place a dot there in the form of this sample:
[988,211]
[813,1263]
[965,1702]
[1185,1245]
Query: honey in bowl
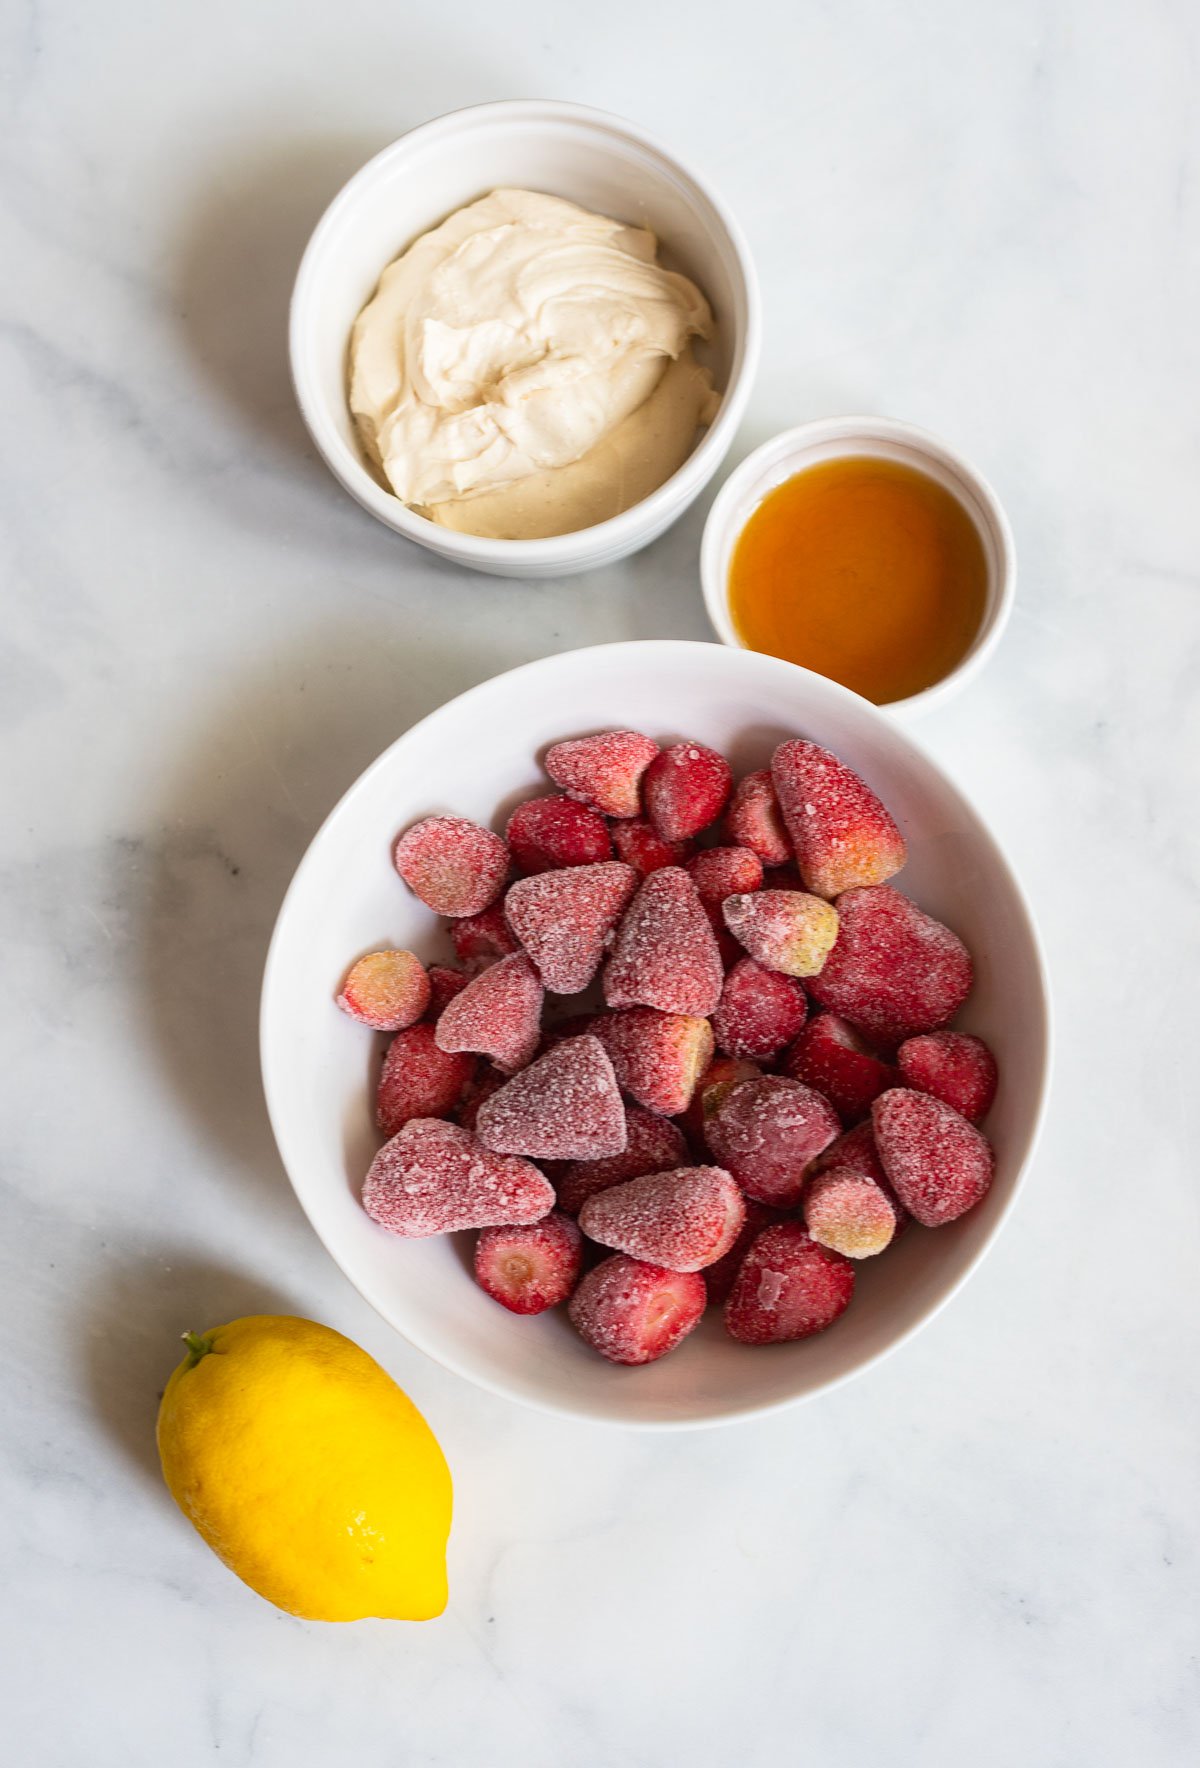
[866,571]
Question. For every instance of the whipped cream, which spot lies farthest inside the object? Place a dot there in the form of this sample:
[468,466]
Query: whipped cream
[521,338]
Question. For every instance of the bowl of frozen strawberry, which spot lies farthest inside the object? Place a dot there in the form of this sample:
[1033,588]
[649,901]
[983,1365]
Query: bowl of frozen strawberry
[655,1034]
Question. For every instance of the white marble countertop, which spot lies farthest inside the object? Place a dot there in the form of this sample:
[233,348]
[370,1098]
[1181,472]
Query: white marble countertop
[986,220]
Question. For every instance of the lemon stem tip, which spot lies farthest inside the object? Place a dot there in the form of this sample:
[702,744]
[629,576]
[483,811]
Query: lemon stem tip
[198,1345]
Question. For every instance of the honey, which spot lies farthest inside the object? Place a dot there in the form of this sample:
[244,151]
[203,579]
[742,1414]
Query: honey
[865,570]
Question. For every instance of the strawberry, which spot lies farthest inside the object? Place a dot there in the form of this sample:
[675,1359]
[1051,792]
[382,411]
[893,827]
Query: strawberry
[545,833]
[605,771]
[564,919]
[529,1269]
[665,954]
[564,1106]
[842,835]
[418,1079]
[765,1132]
[498,1014]
[939,1164]
[788,1287]
[956,1068]
[433,1177]
[785,930]
[638,845]
[444,984]
[632,1312]
[386,990]
[683,1220]
[849,1213]
[718,872]
[894,970]
[830,1056]
[685,789]
[454,866]
[480,940]
[658,1057]
[754,819]
[759,1011]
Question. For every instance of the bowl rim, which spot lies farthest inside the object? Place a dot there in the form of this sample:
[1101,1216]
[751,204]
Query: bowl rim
[865,428]
[415,1336]
[605,537]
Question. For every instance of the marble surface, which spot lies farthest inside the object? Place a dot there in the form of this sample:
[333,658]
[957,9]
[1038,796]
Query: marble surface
[981,219]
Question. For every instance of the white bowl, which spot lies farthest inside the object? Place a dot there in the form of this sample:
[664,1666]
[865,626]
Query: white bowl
[885,439]
[477,756]
[607,165]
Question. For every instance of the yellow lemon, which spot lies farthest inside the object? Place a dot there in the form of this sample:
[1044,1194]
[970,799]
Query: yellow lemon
[308,1471]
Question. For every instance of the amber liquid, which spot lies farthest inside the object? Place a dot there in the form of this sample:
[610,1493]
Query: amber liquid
[863,570]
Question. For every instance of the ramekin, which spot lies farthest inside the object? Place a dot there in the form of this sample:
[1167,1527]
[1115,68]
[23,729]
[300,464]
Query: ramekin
[599,161]
[885,439]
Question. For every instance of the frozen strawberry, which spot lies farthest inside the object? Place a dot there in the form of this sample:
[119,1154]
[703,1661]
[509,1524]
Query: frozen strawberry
[418,1079]
[658,1057]
[720,1275]
[632,1312]
[498,1014]
[894,970]
[939,1164]
[483,1083]
[454,866]
[483,939]
[444,984]
[685,789]
[718,1079]
[653,1144]
[684,1219]
[564,919]
[786,930]
[604,772]
[765,1132]
[638,845]
[529,1269]
[849,1213]
[665,954]
[718,872]
[564,1106]
[788,1287]
[953,1066]
[754,819]
[759,1011]
[830,1056]
[857,1153]
[386,990]
[434,1178]
[545,833]
[842,835]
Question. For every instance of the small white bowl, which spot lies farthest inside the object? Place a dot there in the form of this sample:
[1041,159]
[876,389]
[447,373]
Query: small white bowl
[476,756]
[884,439]
[601,162]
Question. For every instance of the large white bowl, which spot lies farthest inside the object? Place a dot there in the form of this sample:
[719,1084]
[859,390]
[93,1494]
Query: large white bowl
[477,756]
[602,162]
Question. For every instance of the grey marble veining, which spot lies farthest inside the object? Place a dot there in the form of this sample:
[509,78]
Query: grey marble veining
[984,220]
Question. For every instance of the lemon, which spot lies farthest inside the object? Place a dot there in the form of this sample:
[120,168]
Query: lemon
[308,1471]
